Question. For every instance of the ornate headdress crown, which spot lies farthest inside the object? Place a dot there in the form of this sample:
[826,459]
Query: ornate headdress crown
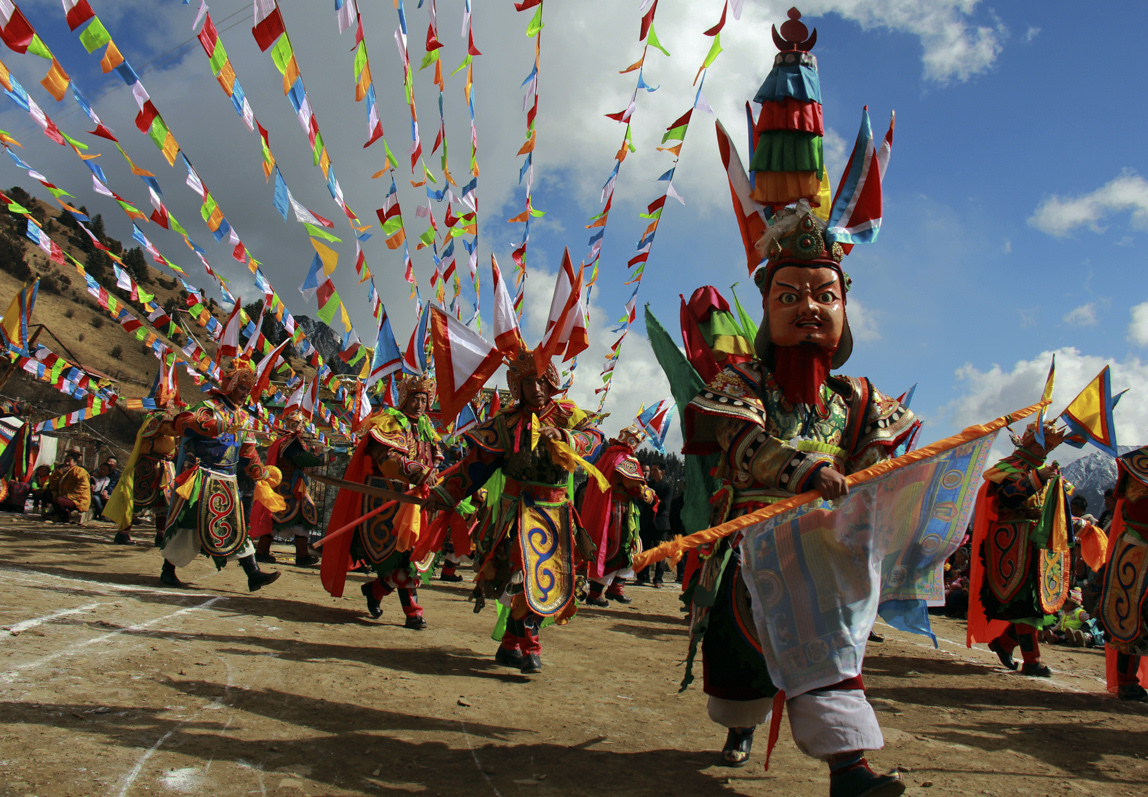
[522,365]
[417,383]
[632,435]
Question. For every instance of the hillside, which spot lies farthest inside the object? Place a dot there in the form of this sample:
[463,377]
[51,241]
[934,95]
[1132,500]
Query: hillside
[77,329]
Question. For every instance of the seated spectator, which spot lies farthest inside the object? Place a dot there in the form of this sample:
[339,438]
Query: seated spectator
[41,493]
[101,489]
[71,490]
[113,472]
[957,584]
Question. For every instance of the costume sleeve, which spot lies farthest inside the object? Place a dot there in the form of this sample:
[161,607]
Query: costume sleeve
[201,421]
[638,490]
[253,465]
[467,476]
[392,463]
[1018,490]
[772,462]
[587,443]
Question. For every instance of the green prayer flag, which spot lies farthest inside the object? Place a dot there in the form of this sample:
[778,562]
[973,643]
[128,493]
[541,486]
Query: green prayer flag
[37,46]
[73,142]
[281,53]
[428,236]
[218,58]
[360,58]
[428,59]
[392,225]
[145,297]
[536,25]
[16,207]
[715,50]
[747,324]
[94,36]
[685,383]
[327,312]
[319,232]
[158,132]
[652,40]
[465,63]
[676,134]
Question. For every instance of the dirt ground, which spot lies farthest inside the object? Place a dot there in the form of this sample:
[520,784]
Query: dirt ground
[113,685]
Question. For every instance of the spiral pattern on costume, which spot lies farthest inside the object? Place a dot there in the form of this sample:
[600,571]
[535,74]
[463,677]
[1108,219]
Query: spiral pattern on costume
[930,544]
[220,505]
[544,579]
[952,479]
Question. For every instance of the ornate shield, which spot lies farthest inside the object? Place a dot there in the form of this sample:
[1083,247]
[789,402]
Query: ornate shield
[377,533]
[1125,590]
[220,516]
[546,538]
[1007,559]
[1053,587]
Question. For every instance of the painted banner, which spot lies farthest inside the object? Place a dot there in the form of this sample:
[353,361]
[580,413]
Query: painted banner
[818,572]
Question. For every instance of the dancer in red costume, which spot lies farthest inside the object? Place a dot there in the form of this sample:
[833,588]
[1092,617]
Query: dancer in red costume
[1020,575]
[1124,601]
[610,517]
[399,449]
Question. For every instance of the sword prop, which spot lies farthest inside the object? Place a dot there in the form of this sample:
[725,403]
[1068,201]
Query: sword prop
[380,492]
[367,489]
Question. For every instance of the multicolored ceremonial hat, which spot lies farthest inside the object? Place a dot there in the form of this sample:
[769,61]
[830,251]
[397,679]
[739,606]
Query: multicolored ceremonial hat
[1053,435]
[783,205]
[417,383]
[522,365]
[240,373]
[632,436]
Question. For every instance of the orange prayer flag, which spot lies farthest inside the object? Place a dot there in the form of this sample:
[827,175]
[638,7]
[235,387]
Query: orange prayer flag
[56,81]
[226,77]
[111,59]
[290,75]
[636,65]
[381,171]
[170,148]
[529,145]
[520,217]
[364,83]
[4,79]
[674,150]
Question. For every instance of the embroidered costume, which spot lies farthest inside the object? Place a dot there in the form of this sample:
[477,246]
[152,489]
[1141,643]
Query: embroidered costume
[610,517]
[525,543]
[290,453]
[773,421]
[399,448]
[1022,533]
[206,516]
[147,477]
[1124,600]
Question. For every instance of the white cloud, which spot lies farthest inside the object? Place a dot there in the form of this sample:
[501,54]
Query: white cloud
[1083,316]
[1138,328]
[1062,216]
[954,47]
[1030,34]
[992,393]
[637,380]
[863,323]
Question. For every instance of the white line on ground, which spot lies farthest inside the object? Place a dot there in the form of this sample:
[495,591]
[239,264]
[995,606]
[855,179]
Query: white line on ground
[477,763]
[36,577]
[14,673]
[26,624]
[130,778]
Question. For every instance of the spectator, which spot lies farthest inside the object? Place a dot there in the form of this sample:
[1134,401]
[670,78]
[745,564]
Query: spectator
[101,489]
[1109,507]
[41,493]
[71,489]
[113,473]
[663,489]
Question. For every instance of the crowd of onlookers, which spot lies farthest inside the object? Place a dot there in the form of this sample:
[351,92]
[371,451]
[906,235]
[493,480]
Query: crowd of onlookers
[1076,624]
[66,493]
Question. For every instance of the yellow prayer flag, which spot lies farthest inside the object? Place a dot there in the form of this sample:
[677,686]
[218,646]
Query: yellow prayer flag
[346,319]
[328,255]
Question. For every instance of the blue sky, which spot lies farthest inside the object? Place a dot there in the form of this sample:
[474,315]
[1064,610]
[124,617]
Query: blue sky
[1014,209]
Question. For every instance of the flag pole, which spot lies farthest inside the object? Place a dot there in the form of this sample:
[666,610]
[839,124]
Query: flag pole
[674,549]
